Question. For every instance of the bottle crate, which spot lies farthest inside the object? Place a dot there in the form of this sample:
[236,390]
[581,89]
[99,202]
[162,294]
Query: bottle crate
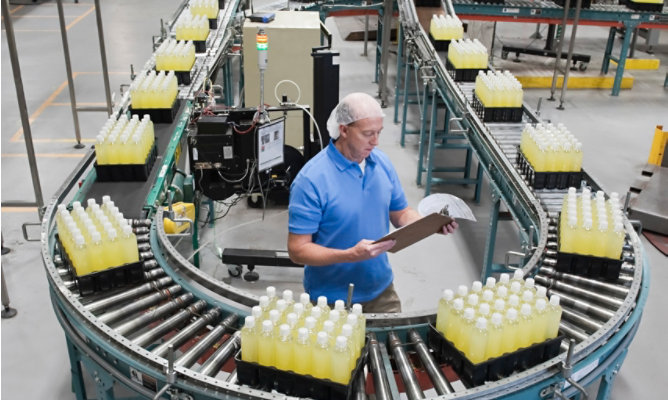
[297,385]
[439,45]
[462,74]
[494,368]
[496,114]
[548,179]
[159,115]
[127,172]
[640,6]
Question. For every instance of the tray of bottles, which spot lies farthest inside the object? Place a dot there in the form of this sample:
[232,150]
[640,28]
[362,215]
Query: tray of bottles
[494,368]
[588,266]
[462,74]
[496,114]
[102,281]
[158,115]
[585,3]
[439,45]
[127,172]
[547,179]
[643,6]
[297,385]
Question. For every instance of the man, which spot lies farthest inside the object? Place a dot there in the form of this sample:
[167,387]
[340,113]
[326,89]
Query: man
[340,202]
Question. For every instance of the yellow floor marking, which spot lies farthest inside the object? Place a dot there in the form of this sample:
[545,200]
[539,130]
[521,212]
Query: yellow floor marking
[79,18]
[26,209]
[44,155]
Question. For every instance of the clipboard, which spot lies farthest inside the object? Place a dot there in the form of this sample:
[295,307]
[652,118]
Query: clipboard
[418,230]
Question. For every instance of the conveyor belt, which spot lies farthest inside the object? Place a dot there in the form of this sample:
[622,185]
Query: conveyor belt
[127,334]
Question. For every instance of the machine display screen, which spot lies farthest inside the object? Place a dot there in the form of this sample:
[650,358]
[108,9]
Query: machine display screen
[270,140]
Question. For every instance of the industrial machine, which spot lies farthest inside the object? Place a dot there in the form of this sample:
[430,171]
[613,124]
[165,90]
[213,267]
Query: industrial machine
[174,333]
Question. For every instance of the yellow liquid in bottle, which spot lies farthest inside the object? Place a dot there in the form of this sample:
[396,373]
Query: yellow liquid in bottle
[303,351]
[462,341]
[494,337]
[249,350]
[540,322]
[284,354]
[340,361]
[322,361]
[443,311]
[477,345]
[525,326]
[266,344]
[510,332]
[553,317]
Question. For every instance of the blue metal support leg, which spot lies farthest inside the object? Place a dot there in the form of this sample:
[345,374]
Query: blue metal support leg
[432,139]
[491,237]
[407,86]
[621,63]
[400,62]
[104,382]
[423,122]
[78,386]
[608,50]
[608,378]
[478,185]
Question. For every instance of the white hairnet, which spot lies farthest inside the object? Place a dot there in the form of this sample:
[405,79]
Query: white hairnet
[353,107]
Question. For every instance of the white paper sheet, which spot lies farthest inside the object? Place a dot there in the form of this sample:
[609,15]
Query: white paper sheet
[457,208]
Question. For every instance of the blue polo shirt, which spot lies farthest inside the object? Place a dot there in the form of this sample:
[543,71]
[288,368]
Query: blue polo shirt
[337,204]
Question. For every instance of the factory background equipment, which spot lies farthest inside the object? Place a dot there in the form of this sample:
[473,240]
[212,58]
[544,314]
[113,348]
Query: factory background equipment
[175,332]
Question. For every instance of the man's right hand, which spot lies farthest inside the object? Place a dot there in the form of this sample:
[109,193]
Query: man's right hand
[366,249]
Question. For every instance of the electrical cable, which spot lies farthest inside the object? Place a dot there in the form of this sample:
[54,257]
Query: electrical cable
[299,91]
[237,180]
[317,128]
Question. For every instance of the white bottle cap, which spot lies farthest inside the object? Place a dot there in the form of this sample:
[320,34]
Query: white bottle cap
[502,292]
[281,305]
[322,338]
[322,302]
[256,311]
[316,312]
[249,322]
[127,230]
[76,205]
[90,202]
[541,304]
[515,287]
[96,237]
[292,319]
[462,290]
[469,313]
[499,305]
[481,323]
[61,208]
[310,322]
[527,296]
[341,342]
[458,304]
[448,294]
[328,326]
[484,309]
[357,309]
[476,286]
[111,233]
[541,291]
[487,295]
[287,295]
[511,314]
[472,299]
[554,300]
[264,301]
[274,316]
[497,319]
[298,309]
[351,320]
[529,283]
[490,282]
[267,326]
[304,298]
[346,330]
[526,309]
[271,292]
[339,305]
[514,300]
[79,240]
[334,316]
[284,330]
[302,333]
[518,274]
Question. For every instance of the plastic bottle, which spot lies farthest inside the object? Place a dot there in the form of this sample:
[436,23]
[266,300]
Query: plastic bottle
[478,341]
[454,320]
[488,296]
[340,306]
[264,304]
[328,328]
[358,333]
[310,324]
[553,317]
[298,310]
[502,293]
[361,320]
[518,276]
[129,245]
[322,303]
[463,336]
[256,312]
[347,332]
[321,361]
[540,321]
[495,336]
[303,351]
[341,361]
[476,287]
[284,349]
[305,300]
[484,310]
[96,261]
[291,320]
[444,305]
[462,292]
[525,326]
[509,339]
[515,288]
[499,306]
[490,283]
[265,346]
[615,241]
[288,298]
[249,350]
[335,318]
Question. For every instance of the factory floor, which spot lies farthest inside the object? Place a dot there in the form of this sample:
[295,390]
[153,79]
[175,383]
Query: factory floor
[616,132]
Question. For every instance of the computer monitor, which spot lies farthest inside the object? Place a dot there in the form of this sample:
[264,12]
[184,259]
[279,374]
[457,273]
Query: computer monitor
[270,141]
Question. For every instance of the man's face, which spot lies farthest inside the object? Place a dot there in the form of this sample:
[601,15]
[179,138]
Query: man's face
[362,136]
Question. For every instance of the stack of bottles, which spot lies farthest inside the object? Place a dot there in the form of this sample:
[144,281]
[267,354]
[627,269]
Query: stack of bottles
[498,89]
[192,27]
[446,27]
[485,322]
[208,8]
[550,148]
[125,141]
[467,53]
[96,238]
[308,340]
[154,90]
[591,226]
[174,55]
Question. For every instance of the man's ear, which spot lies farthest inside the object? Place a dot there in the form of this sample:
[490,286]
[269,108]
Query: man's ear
[343,131]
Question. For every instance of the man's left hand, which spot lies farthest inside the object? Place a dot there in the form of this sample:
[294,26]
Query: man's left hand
[449,228]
